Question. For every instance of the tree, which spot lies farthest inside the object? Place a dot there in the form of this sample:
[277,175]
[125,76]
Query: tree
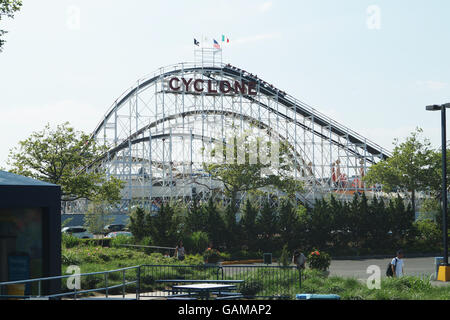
[97,217]
[320,224]
[8,8]
[408,169]
[163,226]
[244,166]
[196,218]
[435,176]
[215,225]
[267,225]
[138,224]
[62,157]
[288,223]
[248,225]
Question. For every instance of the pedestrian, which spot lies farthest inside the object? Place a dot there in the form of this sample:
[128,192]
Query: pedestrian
[299,259]
[179,251]
[396,265]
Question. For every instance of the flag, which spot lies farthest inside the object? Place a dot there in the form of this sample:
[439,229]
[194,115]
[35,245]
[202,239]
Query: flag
[216,44]
[196,42]
[225,39]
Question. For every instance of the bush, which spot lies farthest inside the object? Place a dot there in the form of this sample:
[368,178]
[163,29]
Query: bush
[245,255]
[105,242]
[319,260]
[211,256]
[251,288]
[428,236]
[69,241]
[198,242]
[285,258]
[121,240]
[69,258]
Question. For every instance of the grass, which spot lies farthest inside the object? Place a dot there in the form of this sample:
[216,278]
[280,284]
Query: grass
[258,281]
[405,288]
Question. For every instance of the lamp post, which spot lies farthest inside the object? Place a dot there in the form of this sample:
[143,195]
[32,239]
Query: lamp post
[445,273]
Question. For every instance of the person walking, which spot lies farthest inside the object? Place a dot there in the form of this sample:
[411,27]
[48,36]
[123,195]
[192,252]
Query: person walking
[299,259]
[179,251]
[397,265]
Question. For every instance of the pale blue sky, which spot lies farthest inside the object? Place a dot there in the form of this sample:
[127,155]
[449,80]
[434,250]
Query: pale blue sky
[375,81]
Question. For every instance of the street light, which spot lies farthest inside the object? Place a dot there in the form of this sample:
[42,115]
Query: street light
[444,269]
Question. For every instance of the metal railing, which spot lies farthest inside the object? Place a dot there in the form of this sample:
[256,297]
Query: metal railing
[260,281]
[74,293]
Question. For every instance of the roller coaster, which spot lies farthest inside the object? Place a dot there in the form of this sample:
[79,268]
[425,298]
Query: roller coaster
[156,133]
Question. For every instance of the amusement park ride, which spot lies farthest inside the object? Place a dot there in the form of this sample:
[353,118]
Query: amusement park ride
[157,130]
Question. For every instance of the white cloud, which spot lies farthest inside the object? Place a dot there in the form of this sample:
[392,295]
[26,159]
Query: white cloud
[266,6]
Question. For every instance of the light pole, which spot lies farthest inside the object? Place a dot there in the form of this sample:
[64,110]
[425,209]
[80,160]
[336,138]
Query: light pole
[444,269]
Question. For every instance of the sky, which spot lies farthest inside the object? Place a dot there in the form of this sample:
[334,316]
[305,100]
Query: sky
[372,65]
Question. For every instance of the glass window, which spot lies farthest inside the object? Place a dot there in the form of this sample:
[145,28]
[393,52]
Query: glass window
[20,244]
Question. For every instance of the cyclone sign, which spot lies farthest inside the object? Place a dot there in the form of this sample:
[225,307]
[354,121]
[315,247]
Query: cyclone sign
[212,86]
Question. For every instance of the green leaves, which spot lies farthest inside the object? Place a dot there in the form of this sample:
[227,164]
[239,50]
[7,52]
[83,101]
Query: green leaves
[60,156]
[411,167]
[8,8]
[252,165]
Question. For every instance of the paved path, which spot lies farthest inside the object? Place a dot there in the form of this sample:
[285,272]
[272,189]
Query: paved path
[358,268]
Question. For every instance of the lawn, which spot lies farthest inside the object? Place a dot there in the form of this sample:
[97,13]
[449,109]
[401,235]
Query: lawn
[258,282]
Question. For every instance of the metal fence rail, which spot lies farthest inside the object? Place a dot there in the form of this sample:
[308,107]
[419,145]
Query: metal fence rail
[112,279]
[260,281]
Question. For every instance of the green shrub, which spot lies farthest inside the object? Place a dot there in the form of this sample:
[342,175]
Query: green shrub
[105,242]
[120,240]
[319,260]
[211,256]
[285,258]
[69,241]
[251,287]
[198,241]
[69,258]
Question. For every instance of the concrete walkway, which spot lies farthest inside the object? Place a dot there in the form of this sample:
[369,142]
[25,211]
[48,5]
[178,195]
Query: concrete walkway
[421,267]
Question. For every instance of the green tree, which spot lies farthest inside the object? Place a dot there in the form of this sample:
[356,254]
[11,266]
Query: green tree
[401,222]
[196,218]
[97,217]
[339,220]
[248,225]
[288,224]
[244,171]
[435,175]
[320,224]
[7,9]
[232,228]
[408,169]
[163,226]
[62,157]
[267,226]
[380,225]
[139,225]
[215,225]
